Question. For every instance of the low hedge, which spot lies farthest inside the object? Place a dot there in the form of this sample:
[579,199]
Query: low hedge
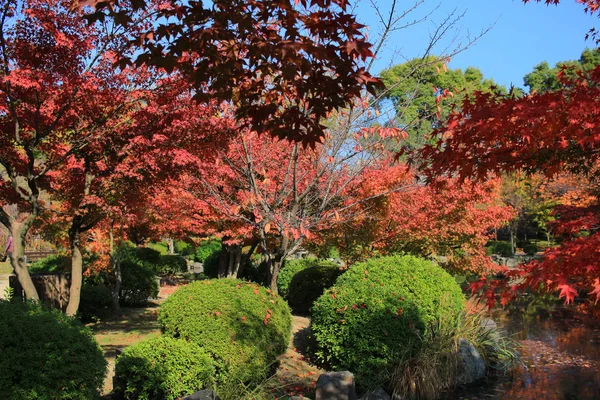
[162,368]
[47,355]
[244,326]
[530,249]
[378,312]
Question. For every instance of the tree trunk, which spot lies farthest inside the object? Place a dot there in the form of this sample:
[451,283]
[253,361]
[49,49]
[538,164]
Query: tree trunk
[275,268]
[246,258]
[512,241]
[17,260]
[118,276]
[76,272]
[237,260]
[113,264]
[171,244]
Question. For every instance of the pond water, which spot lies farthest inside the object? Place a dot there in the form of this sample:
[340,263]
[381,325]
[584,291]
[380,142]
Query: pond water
[559,359]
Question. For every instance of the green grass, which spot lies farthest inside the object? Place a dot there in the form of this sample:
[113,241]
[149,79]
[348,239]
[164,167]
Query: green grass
[5,268]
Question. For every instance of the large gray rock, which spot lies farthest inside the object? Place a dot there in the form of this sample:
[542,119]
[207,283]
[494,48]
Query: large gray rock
[377,394]
[488,324]
[336,386]
[471,366]
[202,395]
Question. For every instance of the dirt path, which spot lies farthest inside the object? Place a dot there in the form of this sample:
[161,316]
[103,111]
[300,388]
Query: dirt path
[296,375]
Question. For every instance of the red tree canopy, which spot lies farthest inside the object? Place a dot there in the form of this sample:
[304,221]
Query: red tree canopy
[541,132]
[284,64]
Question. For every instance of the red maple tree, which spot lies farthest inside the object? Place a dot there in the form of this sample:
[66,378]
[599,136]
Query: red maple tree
[548,133]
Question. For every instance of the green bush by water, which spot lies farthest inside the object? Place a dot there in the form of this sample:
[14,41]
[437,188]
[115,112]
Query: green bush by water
[162,368]
[47,355]
[378,312]
[503,249]
[244,326]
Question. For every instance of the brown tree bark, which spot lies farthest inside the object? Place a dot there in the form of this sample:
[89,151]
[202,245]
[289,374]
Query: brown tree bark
[19,231]
[76,272]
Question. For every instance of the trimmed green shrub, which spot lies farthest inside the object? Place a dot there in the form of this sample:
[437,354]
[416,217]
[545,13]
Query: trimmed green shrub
[161,247]
[309,284]
[55,264]
[379,312]
[530,249]
[162,368]
[95,300]
[503,249]
[291,268]
[170,265]
[47,355]
[211,265]
[138,283]
[184,249]
[244,326]
[206,248]
[145,255]
[255,269]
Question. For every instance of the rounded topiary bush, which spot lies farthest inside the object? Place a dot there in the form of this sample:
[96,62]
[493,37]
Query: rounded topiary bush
[162,368]
[291,268]
[47,355]
[96,299]
[138,283]
[244,326]
[378,312]
[530,249]
[170,265]
[308,284]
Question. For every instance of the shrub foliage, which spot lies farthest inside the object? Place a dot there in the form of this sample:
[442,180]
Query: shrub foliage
[47,355]
[308,284]
[242,325]
[163,369]
[379,312]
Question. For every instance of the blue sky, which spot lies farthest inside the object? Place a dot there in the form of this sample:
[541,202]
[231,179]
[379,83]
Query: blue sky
[522,35]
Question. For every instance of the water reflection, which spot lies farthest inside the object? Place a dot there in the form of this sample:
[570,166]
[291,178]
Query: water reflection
[560,359]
